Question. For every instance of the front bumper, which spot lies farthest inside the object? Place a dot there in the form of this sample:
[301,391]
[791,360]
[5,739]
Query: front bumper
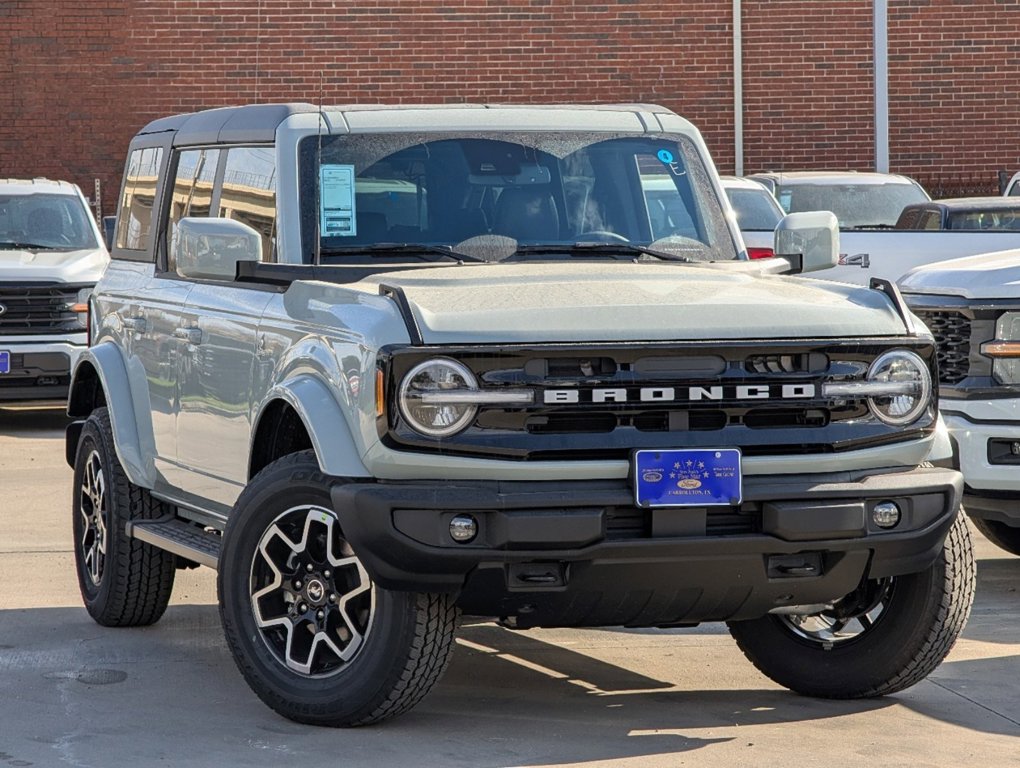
[572,553]
[40,368]
[992,478]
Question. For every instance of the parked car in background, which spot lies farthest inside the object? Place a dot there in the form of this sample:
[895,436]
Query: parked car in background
[1013,186]
[860,200]
[968,214]
[868,206]
[972,307]
[51,255]
[757,213]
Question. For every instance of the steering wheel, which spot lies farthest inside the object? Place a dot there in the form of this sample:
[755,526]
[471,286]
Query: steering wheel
[602,236]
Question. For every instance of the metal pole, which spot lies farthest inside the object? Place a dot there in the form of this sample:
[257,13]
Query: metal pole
[881,47]
[738,91]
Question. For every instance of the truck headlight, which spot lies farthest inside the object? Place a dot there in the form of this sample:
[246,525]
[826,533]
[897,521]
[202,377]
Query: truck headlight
[81,306]
[1005,349]
[432,397]
[897,387]
[907,387]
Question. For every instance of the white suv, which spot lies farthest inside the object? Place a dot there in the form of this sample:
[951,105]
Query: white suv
[51,255]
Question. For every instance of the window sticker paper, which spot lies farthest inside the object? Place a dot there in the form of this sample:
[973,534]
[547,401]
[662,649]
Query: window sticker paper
[337,217]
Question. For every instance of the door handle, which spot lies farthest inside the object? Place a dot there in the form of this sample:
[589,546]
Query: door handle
[135,324]
[190,335]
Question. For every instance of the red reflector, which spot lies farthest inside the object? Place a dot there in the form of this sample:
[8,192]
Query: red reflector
[760,253]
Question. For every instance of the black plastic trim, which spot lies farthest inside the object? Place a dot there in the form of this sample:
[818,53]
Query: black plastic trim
[396,293]
[890,290]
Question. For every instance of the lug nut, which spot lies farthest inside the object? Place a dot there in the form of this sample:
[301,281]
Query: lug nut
[326,574]
[309,568]
[302,607]
[297,584]
[332,597]
[320,614]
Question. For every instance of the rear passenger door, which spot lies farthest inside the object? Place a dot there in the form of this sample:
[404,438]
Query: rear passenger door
[220,320]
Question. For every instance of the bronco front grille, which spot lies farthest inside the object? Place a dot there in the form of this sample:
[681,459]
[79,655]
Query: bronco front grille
[952,332]
[38,308]
[764,397]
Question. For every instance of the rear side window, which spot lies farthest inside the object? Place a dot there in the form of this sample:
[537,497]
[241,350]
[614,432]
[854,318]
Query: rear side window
[248,194]
[134,220]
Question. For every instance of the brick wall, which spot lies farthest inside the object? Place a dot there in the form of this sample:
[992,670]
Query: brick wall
[77,79]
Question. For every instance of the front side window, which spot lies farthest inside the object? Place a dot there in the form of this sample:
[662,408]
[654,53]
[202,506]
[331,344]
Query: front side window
[192,191]
[511,193]
[44,221]
[248,194]
[134,215]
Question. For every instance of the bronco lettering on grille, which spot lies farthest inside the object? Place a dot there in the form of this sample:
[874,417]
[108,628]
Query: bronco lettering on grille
[682,394]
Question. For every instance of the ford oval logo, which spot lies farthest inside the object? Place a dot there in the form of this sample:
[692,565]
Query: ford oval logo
[689,483]
[651,476]
[2,309]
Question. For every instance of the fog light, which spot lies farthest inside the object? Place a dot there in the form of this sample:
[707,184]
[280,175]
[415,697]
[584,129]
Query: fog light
[886,514]
[463,528]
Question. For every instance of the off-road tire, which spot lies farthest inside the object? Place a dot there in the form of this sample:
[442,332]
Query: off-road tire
[1000,534]
[137,578]
[924,616]
[401,658]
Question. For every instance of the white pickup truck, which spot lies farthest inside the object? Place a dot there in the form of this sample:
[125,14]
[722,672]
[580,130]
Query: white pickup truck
[972,307]
[51,255]
[867,206]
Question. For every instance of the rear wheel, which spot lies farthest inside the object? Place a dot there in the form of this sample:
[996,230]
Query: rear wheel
[124,582]
[1000,534]
[886,636]
[313,636]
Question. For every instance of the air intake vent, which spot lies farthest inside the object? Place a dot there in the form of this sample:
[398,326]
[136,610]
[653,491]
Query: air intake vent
[814,362]
[952,336]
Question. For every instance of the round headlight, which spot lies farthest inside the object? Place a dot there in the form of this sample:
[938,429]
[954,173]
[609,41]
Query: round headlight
[908,384]
[434,377]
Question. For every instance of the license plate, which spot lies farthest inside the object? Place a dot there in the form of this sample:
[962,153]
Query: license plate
[694,477]
[5,362]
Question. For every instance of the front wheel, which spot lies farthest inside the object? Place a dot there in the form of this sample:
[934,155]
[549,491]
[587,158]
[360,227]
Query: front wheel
[888,635]
[314,637]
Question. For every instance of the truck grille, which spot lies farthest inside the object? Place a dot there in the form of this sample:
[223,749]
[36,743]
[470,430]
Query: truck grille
[617,398]
[38,308]
[951,330]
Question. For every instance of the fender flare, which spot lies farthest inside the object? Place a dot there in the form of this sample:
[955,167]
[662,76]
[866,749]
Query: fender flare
[324,421]
[129,441]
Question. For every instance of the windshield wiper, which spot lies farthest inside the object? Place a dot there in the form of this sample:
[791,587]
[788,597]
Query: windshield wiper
[870,226]
[626,250]
[399,249]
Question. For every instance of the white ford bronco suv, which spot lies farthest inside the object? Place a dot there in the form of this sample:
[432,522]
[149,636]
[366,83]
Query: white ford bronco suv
[972,307]
[381,366]
[51,254]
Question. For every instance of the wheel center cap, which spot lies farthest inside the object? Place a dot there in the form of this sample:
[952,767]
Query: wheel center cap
[315,591]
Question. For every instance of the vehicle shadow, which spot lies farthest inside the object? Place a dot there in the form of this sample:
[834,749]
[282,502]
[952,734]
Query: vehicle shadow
[34,421]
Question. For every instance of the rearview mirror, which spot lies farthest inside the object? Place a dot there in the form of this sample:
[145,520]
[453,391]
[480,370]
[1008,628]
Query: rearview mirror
[808,240]
[210,248]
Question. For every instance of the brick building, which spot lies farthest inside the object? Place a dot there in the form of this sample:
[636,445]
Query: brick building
[77,79]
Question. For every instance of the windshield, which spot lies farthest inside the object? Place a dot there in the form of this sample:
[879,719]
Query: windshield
[756,209]
[855,205]
[44,221]
[501,195]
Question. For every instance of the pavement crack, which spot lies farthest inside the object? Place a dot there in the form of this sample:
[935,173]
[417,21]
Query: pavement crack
[965,697]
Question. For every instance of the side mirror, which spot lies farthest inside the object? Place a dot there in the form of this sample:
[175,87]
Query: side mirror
[808,240]
[210,248]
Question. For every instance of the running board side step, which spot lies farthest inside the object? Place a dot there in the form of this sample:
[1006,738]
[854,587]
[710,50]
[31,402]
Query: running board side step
[178,537]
